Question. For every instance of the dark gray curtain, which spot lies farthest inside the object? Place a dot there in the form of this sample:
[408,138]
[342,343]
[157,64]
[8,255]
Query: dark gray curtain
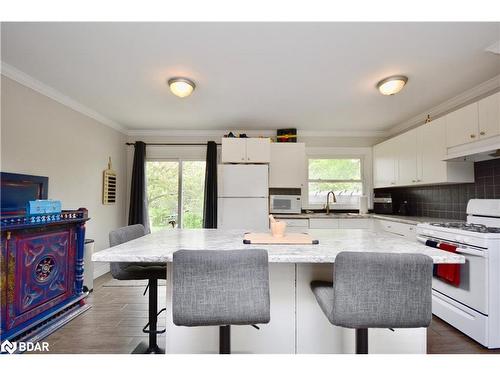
[138,212]
[210,199]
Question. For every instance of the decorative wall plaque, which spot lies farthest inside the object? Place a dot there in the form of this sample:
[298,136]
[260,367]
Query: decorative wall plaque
[109,185]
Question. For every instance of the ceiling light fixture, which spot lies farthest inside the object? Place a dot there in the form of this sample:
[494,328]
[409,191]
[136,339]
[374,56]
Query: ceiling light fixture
[181,87]
[392,85]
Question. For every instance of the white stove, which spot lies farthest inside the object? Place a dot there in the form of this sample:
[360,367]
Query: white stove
[473,306]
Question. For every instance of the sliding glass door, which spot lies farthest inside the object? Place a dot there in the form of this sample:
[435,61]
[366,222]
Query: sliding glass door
[175,193]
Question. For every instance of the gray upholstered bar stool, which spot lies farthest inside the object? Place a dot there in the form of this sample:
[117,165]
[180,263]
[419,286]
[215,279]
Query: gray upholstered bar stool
[377,290]
[140,271]
[220,288]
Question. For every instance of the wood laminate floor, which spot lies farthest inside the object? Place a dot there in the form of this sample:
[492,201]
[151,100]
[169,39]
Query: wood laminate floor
[114,325]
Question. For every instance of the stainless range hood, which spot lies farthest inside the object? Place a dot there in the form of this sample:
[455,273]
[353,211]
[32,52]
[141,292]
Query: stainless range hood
[483,149]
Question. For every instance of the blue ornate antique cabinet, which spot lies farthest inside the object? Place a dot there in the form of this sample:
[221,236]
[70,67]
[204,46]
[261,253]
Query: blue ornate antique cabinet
[41,262]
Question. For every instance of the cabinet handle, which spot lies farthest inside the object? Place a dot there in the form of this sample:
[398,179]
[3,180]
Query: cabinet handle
[413,180]
[473,136]
[482,133]
[242,158]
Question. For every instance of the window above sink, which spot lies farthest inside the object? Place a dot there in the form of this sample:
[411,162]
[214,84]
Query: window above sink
[343,176]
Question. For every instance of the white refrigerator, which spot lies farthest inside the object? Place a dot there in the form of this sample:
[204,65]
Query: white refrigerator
[243,197]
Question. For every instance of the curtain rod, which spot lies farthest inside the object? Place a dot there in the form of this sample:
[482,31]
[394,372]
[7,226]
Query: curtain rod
[171,144]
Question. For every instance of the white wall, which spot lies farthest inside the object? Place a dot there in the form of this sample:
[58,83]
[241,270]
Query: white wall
[42,137]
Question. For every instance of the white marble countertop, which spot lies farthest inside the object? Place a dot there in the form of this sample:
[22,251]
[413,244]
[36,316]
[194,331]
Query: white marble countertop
[414,220]
[159,246]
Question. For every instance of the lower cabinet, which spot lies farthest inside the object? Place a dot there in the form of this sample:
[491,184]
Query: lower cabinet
[297,324]
[316,335]
[327,223]
[401,229]
[296,225]
[277,337]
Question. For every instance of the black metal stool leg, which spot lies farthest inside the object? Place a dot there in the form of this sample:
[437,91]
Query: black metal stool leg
[362,341]
[225,340]
[153,347]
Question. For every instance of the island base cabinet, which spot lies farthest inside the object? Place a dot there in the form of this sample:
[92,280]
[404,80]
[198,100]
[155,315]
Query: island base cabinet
[297,323]
[315,334]
[274,338]
[385,341]
[277,337]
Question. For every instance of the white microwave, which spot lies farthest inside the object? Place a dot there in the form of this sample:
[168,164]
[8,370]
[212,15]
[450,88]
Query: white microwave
[285,204]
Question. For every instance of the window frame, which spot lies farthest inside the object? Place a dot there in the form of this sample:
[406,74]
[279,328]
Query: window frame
[179,183]
[338,206]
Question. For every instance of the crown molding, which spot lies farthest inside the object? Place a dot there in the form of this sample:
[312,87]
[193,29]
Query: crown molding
[251,133]
[343,133]
[196,133]
[26,80]
[450,105]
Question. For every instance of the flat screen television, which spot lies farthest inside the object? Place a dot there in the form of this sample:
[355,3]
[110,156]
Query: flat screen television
[17,189]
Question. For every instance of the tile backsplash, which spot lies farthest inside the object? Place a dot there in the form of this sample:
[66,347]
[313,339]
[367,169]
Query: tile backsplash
[449,201]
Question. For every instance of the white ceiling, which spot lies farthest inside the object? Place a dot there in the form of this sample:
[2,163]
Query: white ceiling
[312,76]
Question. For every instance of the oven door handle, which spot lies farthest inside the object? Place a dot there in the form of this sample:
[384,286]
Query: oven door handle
[459,250]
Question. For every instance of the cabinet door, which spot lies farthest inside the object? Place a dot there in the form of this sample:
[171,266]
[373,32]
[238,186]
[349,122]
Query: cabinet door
[462,125]
[296,225]
[406,144]
[233,150]
[314,333]
[287,168]
[431,147]
[258,150]
[401,229]
[489,116]
[278,336]
[384,164]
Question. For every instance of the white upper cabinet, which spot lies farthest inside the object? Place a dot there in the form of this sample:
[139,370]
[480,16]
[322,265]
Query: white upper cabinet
[489,116]
[417,155]
[287,168]
[246,150]
[416,158]
[258,150]
[385,163]
[407,157]
[462,125]
[431,151]
[234,150]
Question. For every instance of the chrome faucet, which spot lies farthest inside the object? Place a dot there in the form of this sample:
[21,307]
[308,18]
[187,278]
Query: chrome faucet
[327,206]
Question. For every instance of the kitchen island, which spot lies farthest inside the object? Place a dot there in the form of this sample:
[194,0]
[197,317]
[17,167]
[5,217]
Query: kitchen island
[297,322]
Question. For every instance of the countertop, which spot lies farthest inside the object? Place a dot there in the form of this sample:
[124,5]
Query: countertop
[159,246]
[414,220]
